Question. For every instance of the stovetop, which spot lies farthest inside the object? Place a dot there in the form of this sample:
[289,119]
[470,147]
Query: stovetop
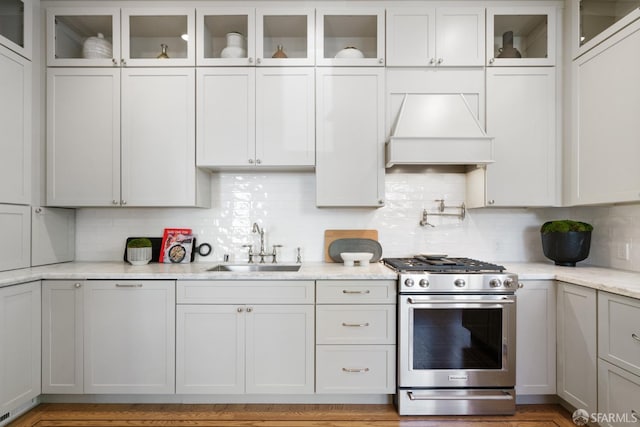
[441,264]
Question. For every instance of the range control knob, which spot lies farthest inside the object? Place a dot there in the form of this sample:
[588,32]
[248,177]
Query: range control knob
[424,283]
[460,283]
[495,283]
[408,283]
[508,283]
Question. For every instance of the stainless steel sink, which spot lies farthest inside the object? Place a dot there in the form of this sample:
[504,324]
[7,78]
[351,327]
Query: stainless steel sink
[247,268]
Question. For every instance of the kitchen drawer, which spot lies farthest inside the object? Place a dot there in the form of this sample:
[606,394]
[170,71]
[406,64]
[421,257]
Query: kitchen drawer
[618,395]
[245,292]
[356,324]
[619,331]
[356,292]
[358,369]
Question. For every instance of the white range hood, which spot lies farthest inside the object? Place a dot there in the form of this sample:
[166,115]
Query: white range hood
[438,129]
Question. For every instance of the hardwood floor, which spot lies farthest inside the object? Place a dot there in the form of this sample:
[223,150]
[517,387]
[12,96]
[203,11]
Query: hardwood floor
[119,415]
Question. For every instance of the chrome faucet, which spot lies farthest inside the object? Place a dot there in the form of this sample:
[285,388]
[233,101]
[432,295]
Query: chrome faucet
[262,253]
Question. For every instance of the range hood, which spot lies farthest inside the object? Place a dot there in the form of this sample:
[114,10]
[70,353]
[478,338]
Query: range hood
[437,129]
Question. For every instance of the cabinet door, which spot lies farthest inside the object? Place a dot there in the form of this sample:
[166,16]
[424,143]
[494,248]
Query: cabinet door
[349,137]
[619,331]
[411,37]
[212,26]
[158,137]
[226,117]
[15,122]
[210,343]
[285,117]
[83,122]
[619,394]
[293,29]
[20,350]
[576,338]
[536,338]
[280,344]
[521,116]
[460,36]
[129,337]
[605,124]
[16,26]
[15,227]
[62,329]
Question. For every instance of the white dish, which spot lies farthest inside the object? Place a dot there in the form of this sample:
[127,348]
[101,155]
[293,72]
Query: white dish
[350,258]
[350,52]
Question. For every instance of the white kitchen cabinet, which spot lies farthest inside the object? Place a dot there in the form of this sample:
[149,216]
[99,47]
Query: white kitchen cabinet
[618,396]
[20,350]
[619,331]
[291,28]
[236,339]
[533,36]
[16,26]
[536,338]
[53,235]
[137,150]
[355,27]
[129,336]
[15,228]
[267,119]
[15,122]
[427,37]
[356,336]
[350,137]
[605,117]
[135,35]
[522,117]
[62,336]
[577,352]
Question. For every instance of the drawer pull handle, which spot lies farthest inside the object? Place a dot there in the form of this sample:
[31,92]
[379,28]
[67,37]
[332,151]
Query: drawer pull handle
[346,291]
[355,325]
[355,370]
[635,337]
[133,285]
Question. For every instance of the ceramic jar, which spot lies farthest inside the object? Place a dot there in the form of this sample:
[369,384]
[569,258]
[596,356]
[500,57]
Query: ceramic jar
[97,47]
[235,46]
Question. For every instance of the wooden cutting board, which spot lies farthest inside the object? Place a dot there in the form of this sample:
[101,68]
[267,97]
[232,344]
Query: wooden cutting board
[331,235]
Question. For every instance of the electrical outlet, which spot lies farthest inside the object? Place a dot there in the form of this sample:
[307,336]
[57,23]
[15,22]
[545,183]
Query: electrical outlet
[624,250]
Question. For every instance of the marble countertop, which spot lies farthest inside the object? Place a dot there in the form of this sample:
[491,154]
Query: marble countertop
[605,279]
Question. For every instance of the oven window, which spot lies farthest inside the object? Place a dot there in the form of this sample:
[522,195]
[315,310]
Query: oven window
[457,338]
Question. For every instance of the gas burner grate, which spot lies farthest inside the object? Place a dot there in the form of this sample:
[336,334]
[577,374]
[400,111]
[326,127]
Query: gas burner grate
[441,265]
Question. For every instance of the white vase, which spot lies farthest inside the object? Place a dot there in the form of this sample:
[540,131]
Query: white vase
[97,47]
[235,46]
[138,256]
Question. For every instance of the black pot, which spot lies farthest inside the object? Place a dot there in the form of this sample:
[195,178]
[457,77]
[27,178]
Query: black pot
[566,248]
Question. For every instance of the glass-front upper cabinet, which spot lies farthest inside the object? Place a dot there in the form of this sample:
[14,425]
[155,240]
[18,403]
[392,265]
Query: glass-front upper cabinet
[353,37]
[285,37]
[83,37]
[599,19]
[156,37]
[225,36]
[521,36]
[16,18]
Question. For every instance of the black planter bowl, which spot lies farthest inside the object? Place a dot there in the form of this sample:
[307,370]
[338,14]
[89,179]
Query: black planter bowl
[566,248]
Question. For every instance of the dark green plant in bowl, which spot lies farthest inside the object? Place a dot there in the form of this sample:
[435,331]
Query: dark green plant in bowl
[139,251]
[139,243]
[566,241]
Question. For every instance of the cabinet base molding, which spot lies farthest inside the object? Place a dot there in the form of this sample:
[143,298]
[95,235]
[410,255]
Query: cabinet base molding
[374,399]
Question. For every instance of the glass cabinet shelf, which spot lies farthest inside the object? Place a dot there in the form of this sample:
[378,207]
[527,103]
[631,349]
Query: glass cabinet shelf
[15,22]
[225,36]
[599,19]
[521,36]
[350,38]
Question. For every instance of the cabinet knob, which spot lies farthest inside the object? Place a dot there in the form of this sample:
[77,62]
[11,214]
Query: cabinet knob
[491,202]
[492,60]
[240,309]
[249,309]
[432,61]
[259,60]
[250,60]
[381,61]
[123,62]
[258,161]
[124,202]
[381,202]
[77,285]
[251,161]
[115,61]
[114,202]
[440,60]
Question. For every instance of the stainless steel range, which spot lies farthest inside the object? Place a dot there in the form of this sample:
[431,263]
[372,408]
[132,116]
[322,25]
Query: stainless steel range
[456,336]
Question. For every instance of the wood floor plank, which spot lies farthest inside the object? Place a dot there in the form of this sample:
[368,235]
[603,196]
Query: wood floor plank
[203,415]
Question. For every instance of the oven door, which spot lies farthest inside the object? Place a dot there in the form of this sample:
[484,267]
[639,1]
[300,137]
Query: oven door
[453,341]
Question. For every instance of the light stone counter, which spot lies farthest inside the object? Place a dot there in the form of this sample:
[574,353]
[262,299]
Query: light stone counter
[606,279]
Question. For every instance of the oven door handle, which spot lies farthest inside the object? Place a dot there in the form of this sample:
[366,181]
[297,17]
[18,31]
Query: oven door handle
[501,395]
[503,300]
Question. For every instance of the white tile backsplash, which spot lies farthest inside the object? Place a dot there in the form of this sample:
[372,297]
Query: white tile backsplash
[284,204]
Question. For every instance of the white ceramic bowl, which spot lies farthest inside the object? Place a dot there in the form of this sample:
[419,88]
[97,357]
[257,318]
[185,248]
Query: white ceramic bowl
[350,258]
[350,52]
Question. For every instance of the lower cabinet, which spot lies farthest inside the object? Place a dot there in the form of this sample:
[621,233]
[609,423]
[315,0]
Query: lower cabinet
[536,343]
[356,336]
[105,336]
[577,351]
[252,337]
[619,359]
[20,345]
